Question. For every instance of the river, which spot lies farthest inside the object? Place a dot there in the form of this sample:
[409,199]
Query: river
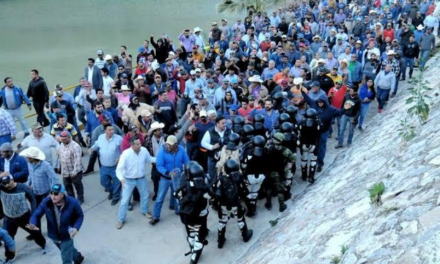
[57,36]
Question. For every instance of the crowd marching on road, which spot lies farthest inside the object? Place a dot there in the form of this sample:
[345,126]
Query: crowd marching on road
[221,120]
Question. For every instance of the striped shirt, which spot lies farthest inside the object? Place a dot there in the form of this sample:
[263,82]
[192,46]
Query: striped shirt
[7,125]
[41,177]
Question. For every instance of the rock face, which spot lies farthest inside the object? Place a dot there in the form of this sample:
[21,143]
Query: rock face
[336,210]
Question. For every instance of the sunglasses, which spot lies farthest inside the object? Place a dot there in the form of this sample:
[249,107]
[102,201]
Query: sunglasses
[157,78]
[54,193]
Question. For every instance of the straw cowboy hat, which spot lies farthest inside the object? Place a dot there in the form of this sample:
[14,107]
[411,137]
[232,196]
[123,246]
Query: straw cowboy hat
[420,27]
[298,81]
[390,52]
[108,57]
[197,29]
[255,78]
[154,126]
[33,153]
[140,77]
[125,88]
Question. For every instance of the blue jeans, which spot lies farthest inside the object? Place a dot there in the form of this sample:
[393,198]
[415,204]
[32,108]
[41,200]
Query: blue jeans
[212,171]
[382,95]
[364,111]
[183,104]
[164,185]
[110,182]
[406,62]
[336,119]
[127,190]
[69,253]
[5,139]
[322,147]
[424,56]
[17,113]
[344,120]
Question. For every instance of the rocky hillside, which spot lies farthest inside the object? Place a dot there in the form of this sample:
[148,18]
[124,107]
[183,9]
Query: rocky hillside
[335,215]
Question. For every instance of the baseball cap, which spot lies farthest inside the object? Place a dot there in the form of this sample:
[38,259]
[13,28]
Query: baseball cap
[124,75]
[234,107]
[65,134]
[59,93]
[210,81]
[171,140]
[6,179]
[36,126]
[203,113]
[104,117]
[6,147]
[283,82]
[100,52]
[132,128]
[58,188]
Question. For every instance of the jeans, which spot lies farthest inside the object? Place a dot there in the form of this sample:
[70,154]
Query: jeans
[322,147]
[164,185]
[18,114]
[396,86]
[183,104]
[338,124]
[76,181]
[12,224]
[68,251]
[406,62]
[92,159]
[110,182]
[41,117]
[363,114]
[382,95]
[191,149]
[81,114]
[344,120]
[212,171]
[127,189]
[39,198]
[424,56]
[5,139]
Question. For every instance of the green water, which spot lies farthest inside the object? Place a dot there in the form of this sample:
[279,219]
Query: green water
[57,36]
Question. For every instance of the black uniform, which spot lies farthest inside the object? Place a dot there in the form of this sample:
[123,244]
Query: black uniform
[309,137]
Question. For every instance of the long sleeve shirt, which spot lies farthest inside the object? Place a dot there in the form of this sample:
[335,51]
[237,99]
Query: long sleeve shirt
[169,161]
[132,165]
[7,125]
[15,200]
[109,149]
[41,177]
[46,143]
[70,159]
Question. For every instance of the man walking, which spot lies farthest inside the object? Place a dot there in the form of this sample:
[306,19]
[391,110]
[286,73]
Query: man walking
[131,172]
[41,140]
[385,81]
[8,130]
[352,110]
[169,161]
[39,93]
[12,97]
[93,74]
[427,44]
[108,146]
[15,198]
[70,166]
[64,219]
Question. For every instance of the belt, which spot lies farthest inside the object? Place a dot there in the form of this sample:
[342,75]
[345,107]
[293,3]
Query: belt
[165,177]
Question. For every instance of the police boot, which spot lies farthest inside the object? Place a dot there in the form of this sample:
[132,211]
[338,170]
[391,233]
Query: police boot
[246,233]
[196,253]
[252,209]
[268,203]
[287,195]
[311,177]
[221,238]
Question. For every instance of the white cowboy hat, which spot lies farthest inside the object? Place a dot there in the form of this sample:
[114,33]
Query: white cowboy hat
[125,88]
[154,126]
[298,81]
[317,36]
[255,78]
[420,27]
[391,52]
[33,153]
[321,61]
[343,61]
[197,29]
[108,57]
[145,112]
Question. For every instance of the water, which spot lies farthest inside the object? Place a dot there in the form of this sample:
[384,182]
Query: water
[56,37]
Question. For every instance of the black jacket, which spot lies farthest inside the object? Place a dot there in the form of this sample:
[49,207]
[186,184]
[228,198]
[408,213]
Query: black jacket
[355,110]
[38,91]
[411,50]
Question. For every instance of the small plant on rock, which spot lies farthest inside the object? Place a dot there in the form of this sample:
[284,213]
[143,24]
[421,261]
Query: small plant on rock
[376,192]
[335,260]
[417,99]
[406,130]
[344,249]
[273,222]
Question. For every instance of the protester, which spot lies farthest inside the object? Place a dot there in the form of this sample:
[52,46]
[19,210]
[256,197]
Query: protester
[8,130]
[40,140]
[11,164]
[38,92]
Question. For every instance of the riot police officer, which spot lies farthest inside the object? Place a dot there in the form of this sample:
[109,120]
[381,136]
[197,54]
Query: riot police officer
[308,144]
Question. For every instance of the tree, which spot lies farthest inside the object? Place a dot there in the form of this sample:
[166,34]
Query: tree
[239,6]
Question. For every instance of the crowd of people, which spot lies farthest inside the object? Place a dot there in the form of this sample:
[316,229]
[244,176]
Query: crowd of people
[220,120]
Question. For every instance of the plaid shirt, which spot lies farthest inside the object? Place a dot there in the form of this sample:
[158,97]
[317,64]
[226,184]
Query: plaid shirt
[395,66]
[41,178]
[70,161]
[7,125]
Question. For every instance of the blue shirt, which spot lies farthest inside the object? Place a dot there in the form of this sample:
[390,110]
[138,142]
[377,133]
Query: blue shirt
[269,120]
[167,161]
[109,150]
[93,121]
[41,177]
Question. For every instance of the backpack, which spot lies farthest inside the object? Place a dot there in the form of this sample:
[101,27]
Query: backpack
[229,190]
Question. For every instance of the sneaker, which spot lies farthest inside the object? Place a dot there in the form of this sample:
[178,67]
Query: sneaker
[379,111]
[79,260]
[9,261]
[148,215]
[283,207]
[130,207]
[110,196]
[154,221]
[393,95]
[171,207]
[114,202]
[403,79]
[361,129]
[119,225]
[29,237]
[319,169]
[339,146]
[44,250]
[154,197]
[87,172]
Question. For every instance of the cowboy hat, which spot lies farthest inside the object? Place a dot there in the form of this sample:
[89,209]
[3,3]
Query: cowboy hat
[140,77]
[321,61]
[155,126]
[343,61]
[108,57]
[255,78]
[420,27]
[316,36]
[33,153]
[390,52]
[145,112]
[197,29]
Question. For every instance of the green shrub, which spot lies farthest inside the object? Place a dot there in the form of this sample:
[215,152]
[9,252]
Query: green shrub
[376,192]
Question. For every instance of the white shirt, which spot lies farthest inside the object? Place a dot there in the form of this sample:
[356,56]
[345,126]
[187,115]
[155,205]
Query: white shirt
[45,144]
[206,140]
[90,76]
[132,165]
[8,162]
[106,84]
[81,98]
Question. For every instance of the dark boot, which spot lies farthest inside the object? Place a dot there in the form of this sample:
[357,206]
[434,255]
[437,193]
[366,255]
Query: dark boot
[304,173]
[311,177]
[252,208]
[283,207]
[221,238]
[195,255]
[246,233]
[268,203]
[287,195]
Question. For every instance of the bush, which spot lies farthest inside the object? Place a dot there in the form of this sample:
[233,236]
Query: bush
[406,130]
[376,192]
[417,99]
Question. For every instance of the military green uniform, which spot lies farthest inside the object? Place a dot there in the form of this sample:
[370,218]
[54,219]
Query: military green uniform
[279,163]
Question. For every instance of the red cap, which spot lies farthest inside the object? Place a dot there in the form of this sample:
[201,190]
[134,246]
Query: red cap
[302,45]
[283,82]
